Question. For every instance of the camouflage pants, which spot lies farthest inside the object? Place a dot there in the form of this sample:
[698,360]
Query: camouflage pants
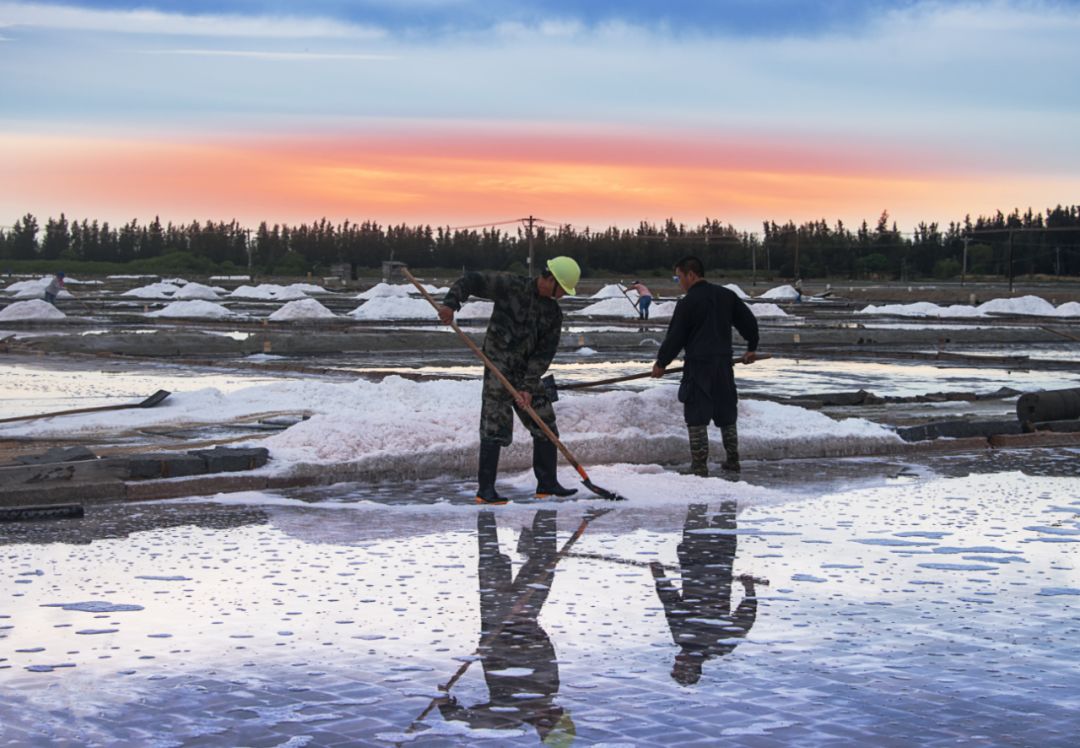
[497,411]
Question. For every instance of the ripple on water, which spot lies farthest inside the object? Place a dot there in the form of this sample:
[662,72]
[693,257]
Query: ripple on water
[958,567]
[1055,591]
[95,606]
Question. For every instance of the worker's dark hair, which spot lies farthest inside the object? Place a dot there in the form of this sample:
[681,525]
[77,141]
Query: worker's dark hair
[545,273]
[691,264]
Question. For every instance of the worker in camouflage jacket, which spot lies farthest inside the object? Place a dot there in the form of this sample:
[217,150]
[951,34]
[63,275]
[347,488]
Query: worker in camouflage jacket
[521,340]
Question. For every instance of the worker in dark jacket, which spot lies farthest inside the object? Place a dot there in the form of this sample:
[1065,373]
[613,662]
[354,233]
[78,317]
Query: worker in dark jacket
[701,326]
[521,340]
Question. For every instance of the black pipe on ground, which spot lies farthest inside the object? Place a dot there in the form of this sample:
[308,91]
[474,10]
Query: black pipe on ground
[1051,405]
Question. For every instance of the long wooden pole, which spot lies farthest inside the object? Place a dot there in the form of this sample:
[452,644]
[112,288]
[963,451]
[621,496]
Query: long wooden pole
[642,375]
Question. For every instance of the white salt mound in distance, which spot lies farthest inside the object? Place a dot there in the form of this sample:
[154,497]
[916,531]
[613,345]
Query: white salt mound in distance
[397,291]
[192,309]
[289,293]
[302,309]
[1032,305]
[663,310]
[923,309]
[154,291]
[385,308]
[308,288]
[31,310]
[612,291]
[268,292]
[619,307]
[767,310]
[196,291]
[781,293]
[1069,309]
[738,291]
[475,310]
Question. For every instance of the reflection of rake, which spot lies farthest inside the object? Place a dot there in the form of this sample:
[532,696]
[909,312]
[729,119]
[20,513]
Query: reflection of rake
[519,604]
[653,564]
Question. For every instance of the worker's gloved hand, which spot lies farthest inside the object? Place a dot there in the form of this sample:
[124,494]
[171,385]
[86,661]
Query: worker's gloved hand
[749,357]
[657,371]
[446,314]
[523,399]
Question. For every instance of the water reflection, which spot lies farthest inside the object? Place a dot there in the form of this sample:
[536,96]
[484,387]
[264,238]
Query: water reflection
[520,666]
[699,616]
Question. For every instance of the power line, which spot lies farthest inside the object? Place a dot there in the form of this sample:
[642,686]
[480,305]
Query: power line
[533,219]
[485,225]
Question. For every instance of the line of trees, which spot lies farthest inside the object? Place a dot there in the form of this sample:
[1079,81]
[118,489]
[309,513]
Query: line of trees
[1033,243]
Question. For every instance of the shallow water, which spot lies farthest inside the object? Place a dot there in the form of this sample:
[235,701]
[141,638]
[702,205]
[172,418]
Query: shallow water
[918,609]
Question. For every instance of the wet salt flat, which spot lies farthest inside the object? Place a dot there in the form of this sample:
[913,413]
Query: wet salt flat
[919,609]
[31,388]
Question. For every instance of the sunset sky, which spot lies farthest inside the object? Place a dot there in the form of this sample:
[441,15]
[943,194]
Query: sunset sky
[590,113]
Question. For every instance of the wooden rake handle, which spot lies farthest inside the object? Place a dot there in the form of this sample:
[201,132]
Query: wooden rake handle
[502,379]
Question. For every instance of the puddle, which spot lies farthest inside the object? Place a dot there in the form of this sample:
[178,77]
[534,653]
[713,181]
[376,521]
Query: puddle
[237,622]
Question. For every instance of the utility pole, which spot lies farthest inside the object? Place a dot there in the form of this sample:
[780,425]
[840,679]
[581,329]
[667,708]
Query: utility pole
[1010,262]
[529,233]
[963,265]
[753,264]
[796,254]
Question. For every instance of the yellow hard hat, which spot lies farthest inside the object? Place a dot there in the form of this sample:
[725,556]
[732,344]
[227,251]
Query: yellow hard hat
[566,272]
[563,733]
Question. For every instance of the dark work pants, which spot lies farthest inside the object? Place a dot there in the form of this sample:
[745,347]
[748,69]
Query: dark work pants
[707,392]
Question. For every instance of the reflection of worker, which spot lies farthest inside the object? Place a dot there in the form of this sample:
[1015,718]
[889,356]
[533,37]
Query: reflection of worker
[700,616]
[56,285]
[521,341]
[519,661]
[644,298]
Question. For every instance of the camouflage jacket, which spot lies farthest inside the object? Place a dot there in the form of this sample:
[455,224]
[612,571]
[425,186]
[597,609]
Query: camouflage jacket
[524,330]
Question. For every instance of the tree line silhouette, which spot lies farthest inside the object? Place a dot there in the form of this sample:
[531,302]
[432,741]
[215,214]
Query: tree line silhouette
[1014,244]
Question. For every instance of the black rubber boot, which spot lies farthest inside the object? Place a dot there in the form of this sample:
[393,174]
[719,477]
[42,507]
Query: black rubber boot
[731,448]
[545,462]
[489,468]
[699,450]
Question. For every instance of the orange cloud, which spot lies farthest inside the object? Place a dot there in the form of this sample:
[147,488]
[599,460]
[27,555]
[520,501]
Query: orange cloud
[462,177]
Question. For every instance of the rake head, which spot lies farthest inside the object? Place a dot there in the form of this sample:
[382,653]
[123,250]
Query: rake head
[603,493]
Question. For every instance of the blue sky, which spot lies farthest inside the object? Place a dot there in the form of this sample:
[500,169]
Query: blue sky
[765,17]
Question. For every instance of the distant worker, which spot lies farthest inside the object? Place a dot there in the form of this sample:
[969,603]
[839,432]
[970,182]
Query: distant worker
[798,289]
[701,325]
[56,285]
[521,341]
[644,298]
